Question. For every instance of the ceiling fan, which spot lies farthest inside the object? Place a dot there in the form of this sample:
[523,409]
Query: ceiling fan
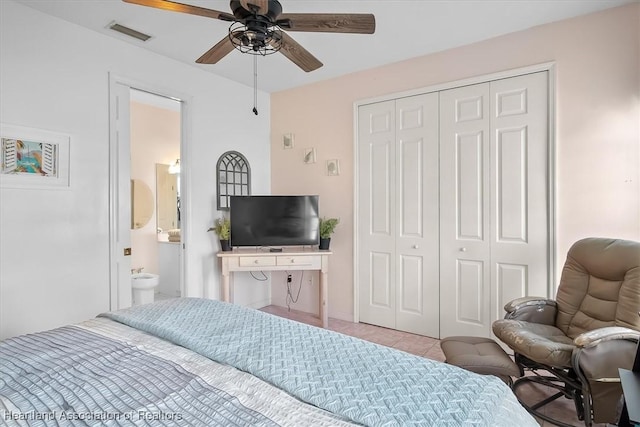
[257,28]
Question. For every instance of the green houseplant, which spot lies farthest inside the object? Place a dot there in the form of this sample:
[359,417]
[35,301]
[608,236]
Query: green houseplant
[222,227]
[327,227]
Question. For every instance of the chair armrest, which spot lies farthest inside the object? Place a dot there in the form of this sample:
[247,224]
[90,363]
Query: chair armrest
[532,309]
[596,336]
[527,301]
[600,352]
[597,358]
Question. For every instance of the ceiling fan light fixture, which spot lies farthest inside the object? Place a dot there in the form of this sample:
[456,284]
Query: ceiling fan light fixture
[256,41]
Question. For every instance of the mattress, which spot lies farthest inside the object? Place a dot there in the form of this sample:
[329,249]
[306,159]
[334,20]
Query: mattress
[208,363]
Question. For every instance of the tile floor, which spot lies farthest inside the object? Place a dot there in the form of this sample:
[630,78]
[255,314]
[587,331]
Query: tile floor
[562,409]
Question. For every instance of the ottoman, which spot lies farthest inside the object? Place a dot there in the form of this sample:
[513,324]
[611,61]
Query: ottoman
[480,355]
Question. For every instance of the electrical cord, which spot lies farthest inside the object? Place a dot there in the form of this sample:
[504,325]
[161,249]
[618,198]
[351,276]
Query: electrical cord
[264,276]
[290,298]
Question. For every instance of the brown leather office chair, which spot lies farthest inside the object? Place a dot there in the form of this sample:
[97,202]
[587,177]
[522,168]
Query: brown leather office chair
[580,339]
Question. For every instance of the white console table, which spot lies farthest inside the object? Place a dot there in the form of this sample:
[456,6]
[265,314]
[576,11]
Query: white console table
[287,260]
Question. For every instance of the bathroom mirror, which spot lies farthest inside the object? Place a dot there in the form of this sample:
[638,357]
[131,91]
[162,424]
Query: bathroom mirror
[141,204]
[167,199]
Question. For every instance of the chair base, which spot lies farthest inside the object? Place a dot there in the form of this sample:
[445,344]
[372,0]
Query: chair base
[563,380]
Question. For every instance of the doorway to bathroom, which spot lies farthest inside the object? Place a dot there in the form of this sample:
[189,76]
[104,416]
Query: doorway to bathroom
[155,165]
[147,193]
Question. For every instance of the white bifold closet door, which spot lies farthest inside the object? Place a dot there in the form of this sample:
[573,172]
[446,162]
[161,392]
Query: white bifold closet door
[452,206]
[398,214]
[493,200]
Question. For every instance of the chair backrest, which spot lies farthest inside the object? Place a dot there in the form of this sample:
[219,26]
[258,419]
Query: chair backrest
[600,286]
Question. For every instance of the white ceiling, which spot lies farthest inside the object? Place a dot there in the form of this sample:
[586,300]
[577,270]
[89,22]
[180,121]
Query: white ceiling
[404,29]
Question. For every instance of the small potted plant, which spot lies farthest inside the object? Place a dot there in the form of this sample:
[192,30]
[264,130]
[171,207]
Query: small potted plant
[222,227]
[327,226]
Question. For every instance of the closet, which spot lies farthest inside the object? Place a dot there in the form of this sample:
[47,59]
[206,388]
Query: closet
[398,221]
[453,205]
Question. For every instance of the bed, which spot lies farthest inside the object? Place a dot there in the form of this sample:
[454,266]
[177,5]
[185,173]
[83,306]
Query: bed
[198,362]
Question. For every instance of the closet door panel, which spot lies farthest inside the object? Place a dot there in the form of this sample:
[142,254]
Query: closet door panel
[464,211]
[380,170]
[511,157]
[417,247]
[519,209]
[377,214]
[469,185]
[411,187]
[411,295]
[511,283]
[380,283]
[470,286]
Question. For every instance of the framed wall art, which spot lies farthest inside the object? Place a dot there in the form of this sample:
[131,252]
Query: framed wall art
[309,156]
[333,167]
[33,158]
[287,141]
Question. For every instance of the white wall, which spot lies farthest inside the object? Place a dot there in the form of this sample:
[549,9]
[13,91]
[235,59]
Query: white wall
[54,245]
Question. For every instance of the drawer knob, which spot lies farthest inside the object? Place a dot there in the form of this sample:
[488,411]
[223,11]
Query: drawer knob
[255,261]
[292,261]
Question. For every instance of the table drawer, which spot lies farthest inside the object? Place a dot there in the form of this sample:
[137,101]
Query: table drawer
[307,261]
[252,261]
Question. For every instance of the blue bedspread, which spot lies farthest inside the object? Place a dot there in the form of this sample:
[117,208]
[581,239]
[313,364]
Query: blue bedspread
[362,381]
[70,376]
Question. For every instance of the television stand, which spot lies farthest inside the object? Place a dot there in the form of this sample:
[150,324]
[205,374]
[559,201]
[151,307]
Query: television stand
[285,260]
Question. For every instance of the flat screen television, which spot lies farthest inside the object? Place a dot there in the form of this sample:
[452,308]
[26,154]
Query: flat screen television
[274,220]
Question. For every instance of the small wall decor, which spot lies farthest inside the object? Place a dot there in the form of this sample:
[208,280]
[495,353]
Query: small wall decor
[309,155]
[287,140]
[333,167]
[33,158]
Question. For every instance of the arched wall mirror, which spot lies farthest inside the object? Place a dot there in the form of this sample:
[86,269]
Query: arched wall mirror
[141,204]
[167,199]
[233,178]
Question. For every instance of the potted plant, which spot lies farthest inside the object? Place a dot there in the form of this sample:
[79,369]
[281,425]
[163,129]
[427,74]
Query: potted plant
[222,227]
[327,226]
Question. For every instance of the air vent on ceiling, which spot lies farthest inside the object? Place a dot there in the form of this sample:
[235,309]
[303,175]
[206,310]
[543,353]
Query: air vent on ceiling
[129,31]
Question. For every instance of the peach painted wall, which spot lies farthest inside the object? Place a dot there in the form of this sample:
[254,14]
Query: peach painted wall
[597,60]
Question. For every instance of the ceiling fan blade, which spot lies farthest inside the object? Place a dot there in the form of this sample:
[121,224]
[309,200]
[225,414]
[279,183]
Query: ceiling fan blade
[219,51]
[297,54]
[359,23]
[184,8]
[261,7]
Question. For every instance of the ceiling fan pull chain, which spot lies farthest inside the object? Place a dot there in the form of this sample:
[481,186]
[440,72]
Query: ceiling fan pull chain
[255,84]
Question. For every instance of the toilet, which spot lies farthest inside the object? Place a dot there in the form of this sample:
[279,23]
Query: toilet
[143,286]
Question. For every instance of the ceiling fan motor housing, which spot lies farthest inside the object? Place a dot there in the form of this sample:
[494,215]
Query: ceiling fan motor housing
[257,34]
[275,10]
